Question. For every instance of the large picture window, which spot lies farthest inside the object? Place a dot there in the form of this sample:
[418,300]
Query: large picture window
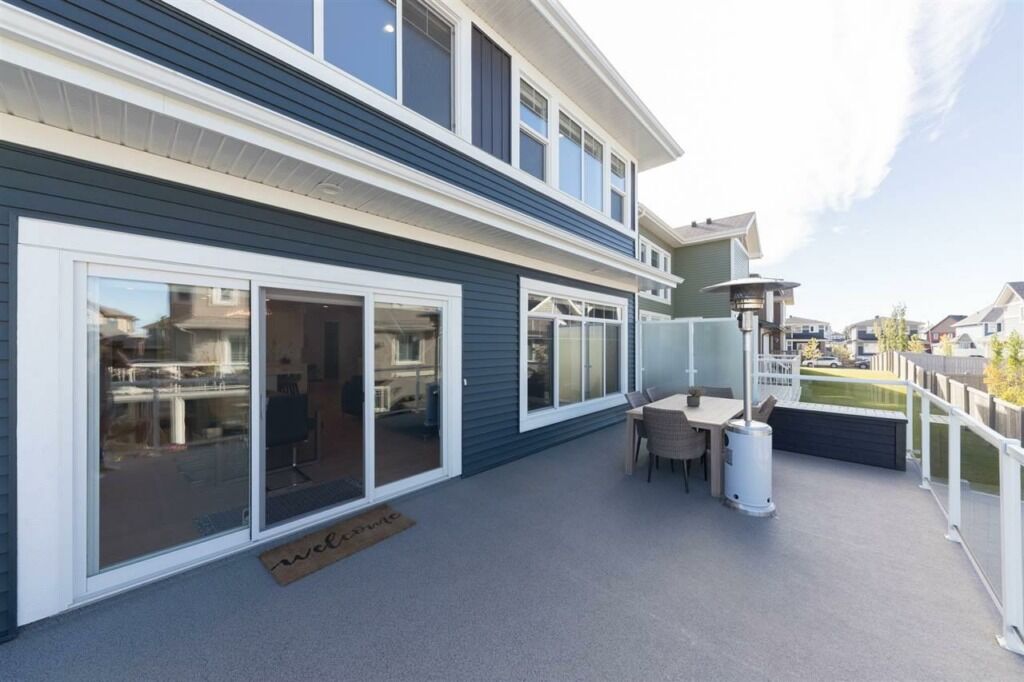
[573,353]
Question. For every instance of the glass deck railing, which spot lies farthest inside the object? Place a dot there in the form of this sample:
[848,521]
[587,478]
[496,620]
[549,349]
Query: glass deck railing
[975,474]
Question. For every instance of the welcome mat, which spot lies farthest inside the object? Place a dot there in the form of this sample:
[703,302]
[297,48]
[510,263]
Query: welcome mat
[298,559]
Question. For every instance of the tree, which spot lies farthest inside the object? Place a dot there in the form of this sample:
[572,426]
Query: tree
[811,351]
[1004,373]
[915,345]
[946,345]
[892,331]
[841,352]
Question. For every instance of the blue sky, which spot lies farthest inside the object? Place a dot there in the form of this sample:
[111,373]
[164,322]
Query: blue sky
[946,226]
[879,141]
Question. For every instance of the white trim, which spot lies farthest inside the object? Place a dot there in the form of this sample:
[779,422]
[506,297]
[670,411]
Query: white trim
[90,149]
[104,69]
[52,260]
[215,14]
[558,413]
[652,316]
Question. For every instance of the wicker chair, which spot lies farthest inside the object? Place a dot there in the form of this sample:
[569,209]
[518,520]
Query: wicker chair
[655,393]
[670,435]
[637,399]
[716,391]
[763,410]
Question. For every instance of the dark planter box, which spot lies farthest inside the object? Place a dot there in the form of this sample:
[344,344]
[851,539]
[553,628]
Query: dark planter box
[873,437]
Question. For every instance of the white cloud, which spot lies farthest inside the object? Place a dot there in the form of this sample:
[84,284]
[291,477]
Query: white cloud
[786,108]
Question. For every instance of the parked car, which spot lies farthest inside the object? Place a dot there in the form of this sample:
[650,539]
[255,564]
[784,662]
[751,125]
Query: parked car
[861,362]
[823,361]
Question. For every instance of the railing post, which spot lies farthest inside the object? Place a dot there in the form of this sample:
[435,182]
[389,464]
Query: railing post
[953,505]
[910,419]
[1011,547]
[926,442]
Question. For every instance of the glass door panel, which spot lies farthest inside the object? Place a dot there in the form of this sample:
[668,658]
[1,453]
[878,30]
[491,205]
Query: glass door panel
[595,360]
[313,403]
[169,387]
[570,362]
[407,390]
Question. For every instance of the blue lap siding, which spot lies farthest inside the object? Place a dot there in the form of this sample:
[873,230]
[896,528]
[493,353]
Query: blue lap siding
[166,36]
[35,184]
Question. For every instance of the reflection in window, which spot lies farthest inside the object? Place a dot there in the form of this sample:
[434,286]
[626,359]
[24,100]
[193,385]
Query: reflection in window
[540,376]
[570,156]
[427,62]
[168,380]
[593,171]
[407,392]
[588,340]
[290,19]
[359,37]
[570,362]
[617,193]
[533,130]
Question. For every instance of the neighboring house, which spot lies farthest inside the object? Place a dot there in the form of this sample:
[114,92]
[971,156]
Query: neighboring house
[415,244]
[774,337]
[703,253]
[1002,317]
[861,337]
[942,328]
[800,330]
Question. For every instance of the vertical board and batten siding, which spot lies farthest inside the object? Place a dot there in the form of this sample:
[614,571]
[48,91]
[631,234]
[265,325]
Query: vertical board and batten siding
[492,95]
[46,186]
[166,36]
[701,265]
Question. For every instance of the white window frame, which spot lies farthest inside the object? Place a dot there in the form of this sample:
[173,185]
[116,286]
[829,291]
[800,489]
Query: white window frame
[528,129]
[647,249]
[585,130]
[624,193]
[529,420]
[53,259]
[397,359]
[460,137]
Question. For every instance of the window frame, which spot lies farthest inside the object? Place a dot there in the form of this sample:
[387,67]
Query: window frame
[647,251]
[529,420]
[524,127]
[623,193]
[397,359]
[585,131]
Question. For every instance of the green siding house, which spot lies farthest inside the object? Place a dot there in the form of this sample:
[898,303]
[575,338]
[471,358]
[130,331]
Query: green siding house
[702,253]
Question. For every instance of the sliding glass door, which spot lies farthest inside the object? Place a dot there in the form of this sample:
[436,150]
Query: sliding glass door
[168,375]
[313,407]
[408,380]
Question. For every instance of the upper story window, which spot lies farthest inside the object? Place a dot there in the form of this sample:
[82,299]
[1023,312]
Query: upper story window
[659,258]
[617,192]
[362,38]
[295,24]
[533,130]
[580,162]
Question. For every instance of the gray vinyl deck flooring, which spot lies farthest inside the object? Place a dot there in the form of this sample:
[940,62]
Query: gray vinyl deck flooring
[557,566]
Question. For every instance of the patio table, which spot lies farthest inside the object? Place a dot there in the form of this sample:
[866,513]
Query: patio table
[712,415]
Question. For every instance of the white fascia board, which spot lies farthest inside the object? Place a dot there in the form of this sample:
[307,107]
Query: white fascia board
[41,45]
[573,35]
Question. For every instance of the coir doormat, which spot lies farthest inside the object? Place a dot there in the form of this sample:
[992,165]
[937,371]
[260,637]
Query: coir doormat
[298,559]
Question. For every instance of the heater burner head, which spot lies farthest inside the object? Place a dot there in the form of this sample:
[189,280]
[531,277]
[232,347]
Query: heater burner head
[748,294]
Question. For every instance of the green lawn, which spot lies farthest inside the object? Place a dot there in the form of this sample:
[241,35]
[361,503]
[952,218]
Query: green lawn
[979,461]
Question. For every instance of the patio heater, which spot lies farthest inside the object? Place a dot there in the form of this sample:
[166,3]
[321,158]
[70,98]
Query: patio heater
[748,452]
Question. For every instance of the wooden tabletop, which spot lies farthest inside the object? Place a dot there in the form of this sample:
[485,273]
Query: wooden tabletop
[712,411]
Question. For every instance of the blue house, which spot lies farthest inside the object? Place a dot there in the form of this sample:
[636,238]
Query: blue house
[270,262]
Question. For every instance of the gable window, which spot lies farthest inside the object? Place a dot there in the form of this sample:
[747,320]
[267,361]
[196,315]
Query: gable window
[572,357]
[533,130]
[659,258]
[617,193]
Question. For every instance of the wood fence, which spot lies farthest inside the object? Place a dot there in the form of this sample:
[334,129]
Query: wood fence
[965,391]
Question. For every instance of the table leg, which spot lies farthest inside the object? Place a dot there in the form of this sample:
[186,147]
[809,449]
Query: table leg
[715,462]
[630,443]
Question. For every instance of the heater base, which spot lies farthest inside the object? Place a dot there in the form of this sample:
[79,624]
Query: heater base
[764,512]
